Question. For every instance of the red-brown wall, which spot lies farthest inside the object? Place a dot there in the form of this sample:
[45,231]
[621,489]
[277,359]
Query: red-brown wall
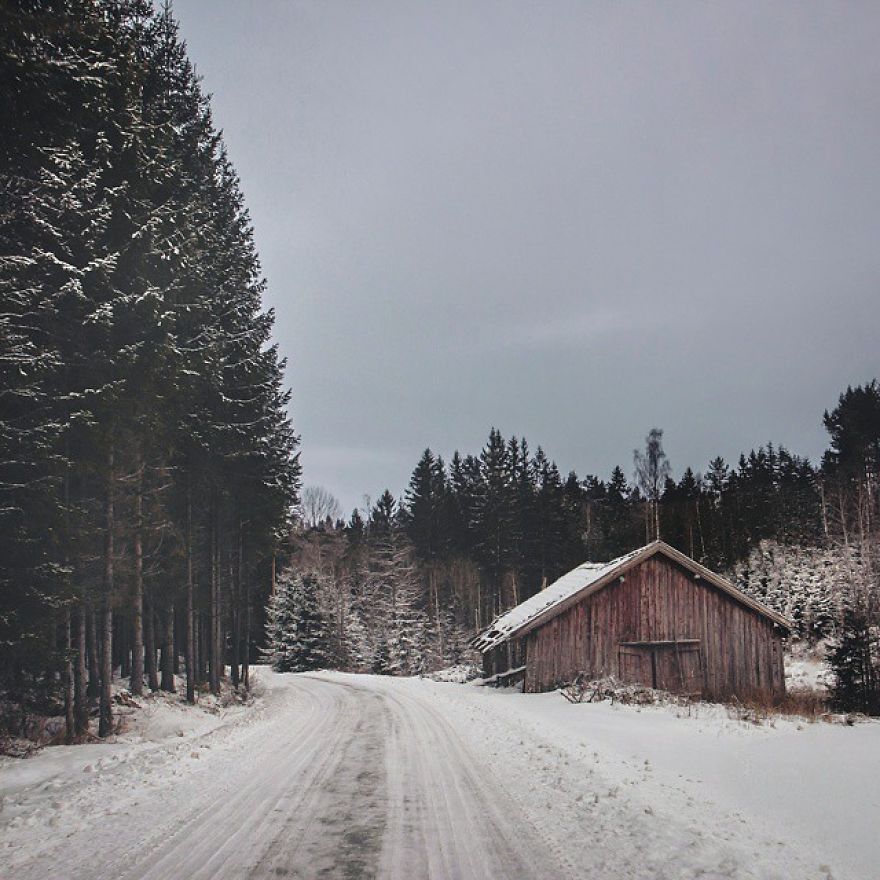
[740,650]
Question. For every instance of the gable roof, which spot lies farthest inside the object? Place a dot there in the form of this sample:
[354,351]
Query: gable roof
[591,577]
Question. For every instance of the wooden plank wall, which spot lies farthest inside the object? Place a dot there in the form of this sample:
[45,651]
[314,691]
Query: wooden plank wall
[741,651]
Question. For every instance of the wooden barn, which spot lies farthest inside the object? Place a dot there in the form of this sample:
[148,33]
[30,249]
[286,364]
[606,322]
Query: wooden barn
[654,617]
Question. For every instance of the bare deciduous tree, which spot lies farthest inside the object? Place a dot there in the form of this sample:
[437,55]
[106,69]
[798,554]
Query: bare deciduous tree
[652,469]
[319,505]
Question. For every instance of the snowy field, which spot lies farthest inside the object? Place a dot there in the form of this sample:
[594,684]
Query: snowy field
[337,775]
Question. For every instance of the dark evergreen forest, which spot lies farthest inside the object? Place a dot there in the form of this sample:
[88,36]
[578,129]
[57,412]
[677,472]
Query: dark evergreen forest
[148,466]
[149,471]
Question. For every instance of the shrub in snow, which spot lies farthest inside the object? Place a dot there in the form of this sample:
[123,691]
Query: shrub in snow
[457,674]
[585,690]
[297,629]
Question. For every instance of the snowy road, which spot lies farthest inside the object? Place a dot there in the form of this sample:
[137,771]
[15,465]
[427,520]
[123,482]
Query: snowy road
[332,780]
[340,776]
[385,790]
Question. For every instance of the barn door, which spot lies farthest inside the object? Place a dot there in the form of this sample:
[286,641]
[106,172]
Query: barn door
[637,665]
[678,668]
[667,666]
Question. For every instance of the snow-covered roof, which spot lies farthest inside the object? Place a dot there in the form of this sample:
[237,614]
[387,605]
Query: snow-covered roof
[592,576]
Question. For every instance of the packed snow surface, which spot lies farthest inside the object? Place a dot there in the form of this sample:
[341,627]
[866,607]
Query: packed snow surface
[333,775]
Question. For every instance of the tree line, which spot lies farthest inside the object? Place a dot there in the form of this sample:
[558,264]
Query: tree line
[148,466]
[488,530]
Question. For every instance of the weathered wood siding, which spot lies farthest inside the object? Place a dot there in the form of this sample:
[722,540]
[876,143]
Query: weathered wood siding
[740,650]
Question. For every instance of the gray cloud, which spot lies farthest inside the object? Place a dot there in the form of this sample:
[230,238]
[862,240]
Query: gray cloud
[570,220]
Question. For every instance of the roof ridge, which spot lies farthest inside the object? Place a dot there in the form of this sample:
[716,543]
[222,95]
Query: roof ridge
[526,613]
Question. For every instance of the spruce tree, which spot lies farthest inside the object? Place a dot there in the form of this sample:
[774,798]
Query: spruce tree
[298,631]
[854,659]
[143,423]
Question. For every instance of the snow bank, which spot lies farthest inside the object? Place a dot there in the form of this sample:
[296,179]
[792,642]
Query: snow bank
[75,787]
[150,721]
[460,674]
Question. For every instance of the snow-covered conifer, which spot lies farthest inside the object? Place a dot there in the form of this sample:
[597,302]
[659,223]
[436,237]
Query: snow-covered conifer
[297,629]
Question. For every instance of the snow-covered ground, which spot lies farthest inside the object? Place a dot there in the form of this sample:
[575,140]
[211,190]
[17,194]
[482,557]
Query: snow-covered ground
[691,792]
[338,775]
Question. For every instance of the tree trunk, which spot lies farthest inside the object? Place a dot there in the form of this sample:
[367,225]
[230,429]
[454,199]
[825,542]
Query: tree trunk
[824,508]
[80,699]
[105,718]
[69,715]
[94,677]
[197,647]
[137,636]
[440,626]
[105,725]
[236,613]
[236,646]
[168,652]
[246,653]
[70,701]
[122,648]
[219,625]
[215,606]
[150,646]
[205,623]
[190,634]
[700,531]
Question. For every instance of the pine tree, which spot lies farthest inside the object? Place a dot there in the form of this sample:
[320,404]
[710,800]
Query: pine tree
[424,510]
[143,422]
[358,654]
[464,482]
[279,625]
[298,631]
[549,517]
[381,661]
[406,634]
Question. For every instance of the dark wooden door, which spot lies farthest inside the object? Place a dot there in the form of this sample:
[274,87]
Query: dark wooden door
[637,665]
[669,666]
[678,669]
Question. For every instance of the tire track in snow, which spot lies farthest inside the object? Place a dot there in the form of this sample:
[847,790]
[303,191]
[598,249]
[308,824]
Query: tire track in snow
[449,818]
[335,828]
[229,833]
[216,817]
[351,779]
[306,812]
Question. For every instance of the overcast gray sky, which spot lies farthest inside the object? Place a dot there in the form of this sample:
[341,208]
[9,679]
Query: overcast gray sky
[572,221]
